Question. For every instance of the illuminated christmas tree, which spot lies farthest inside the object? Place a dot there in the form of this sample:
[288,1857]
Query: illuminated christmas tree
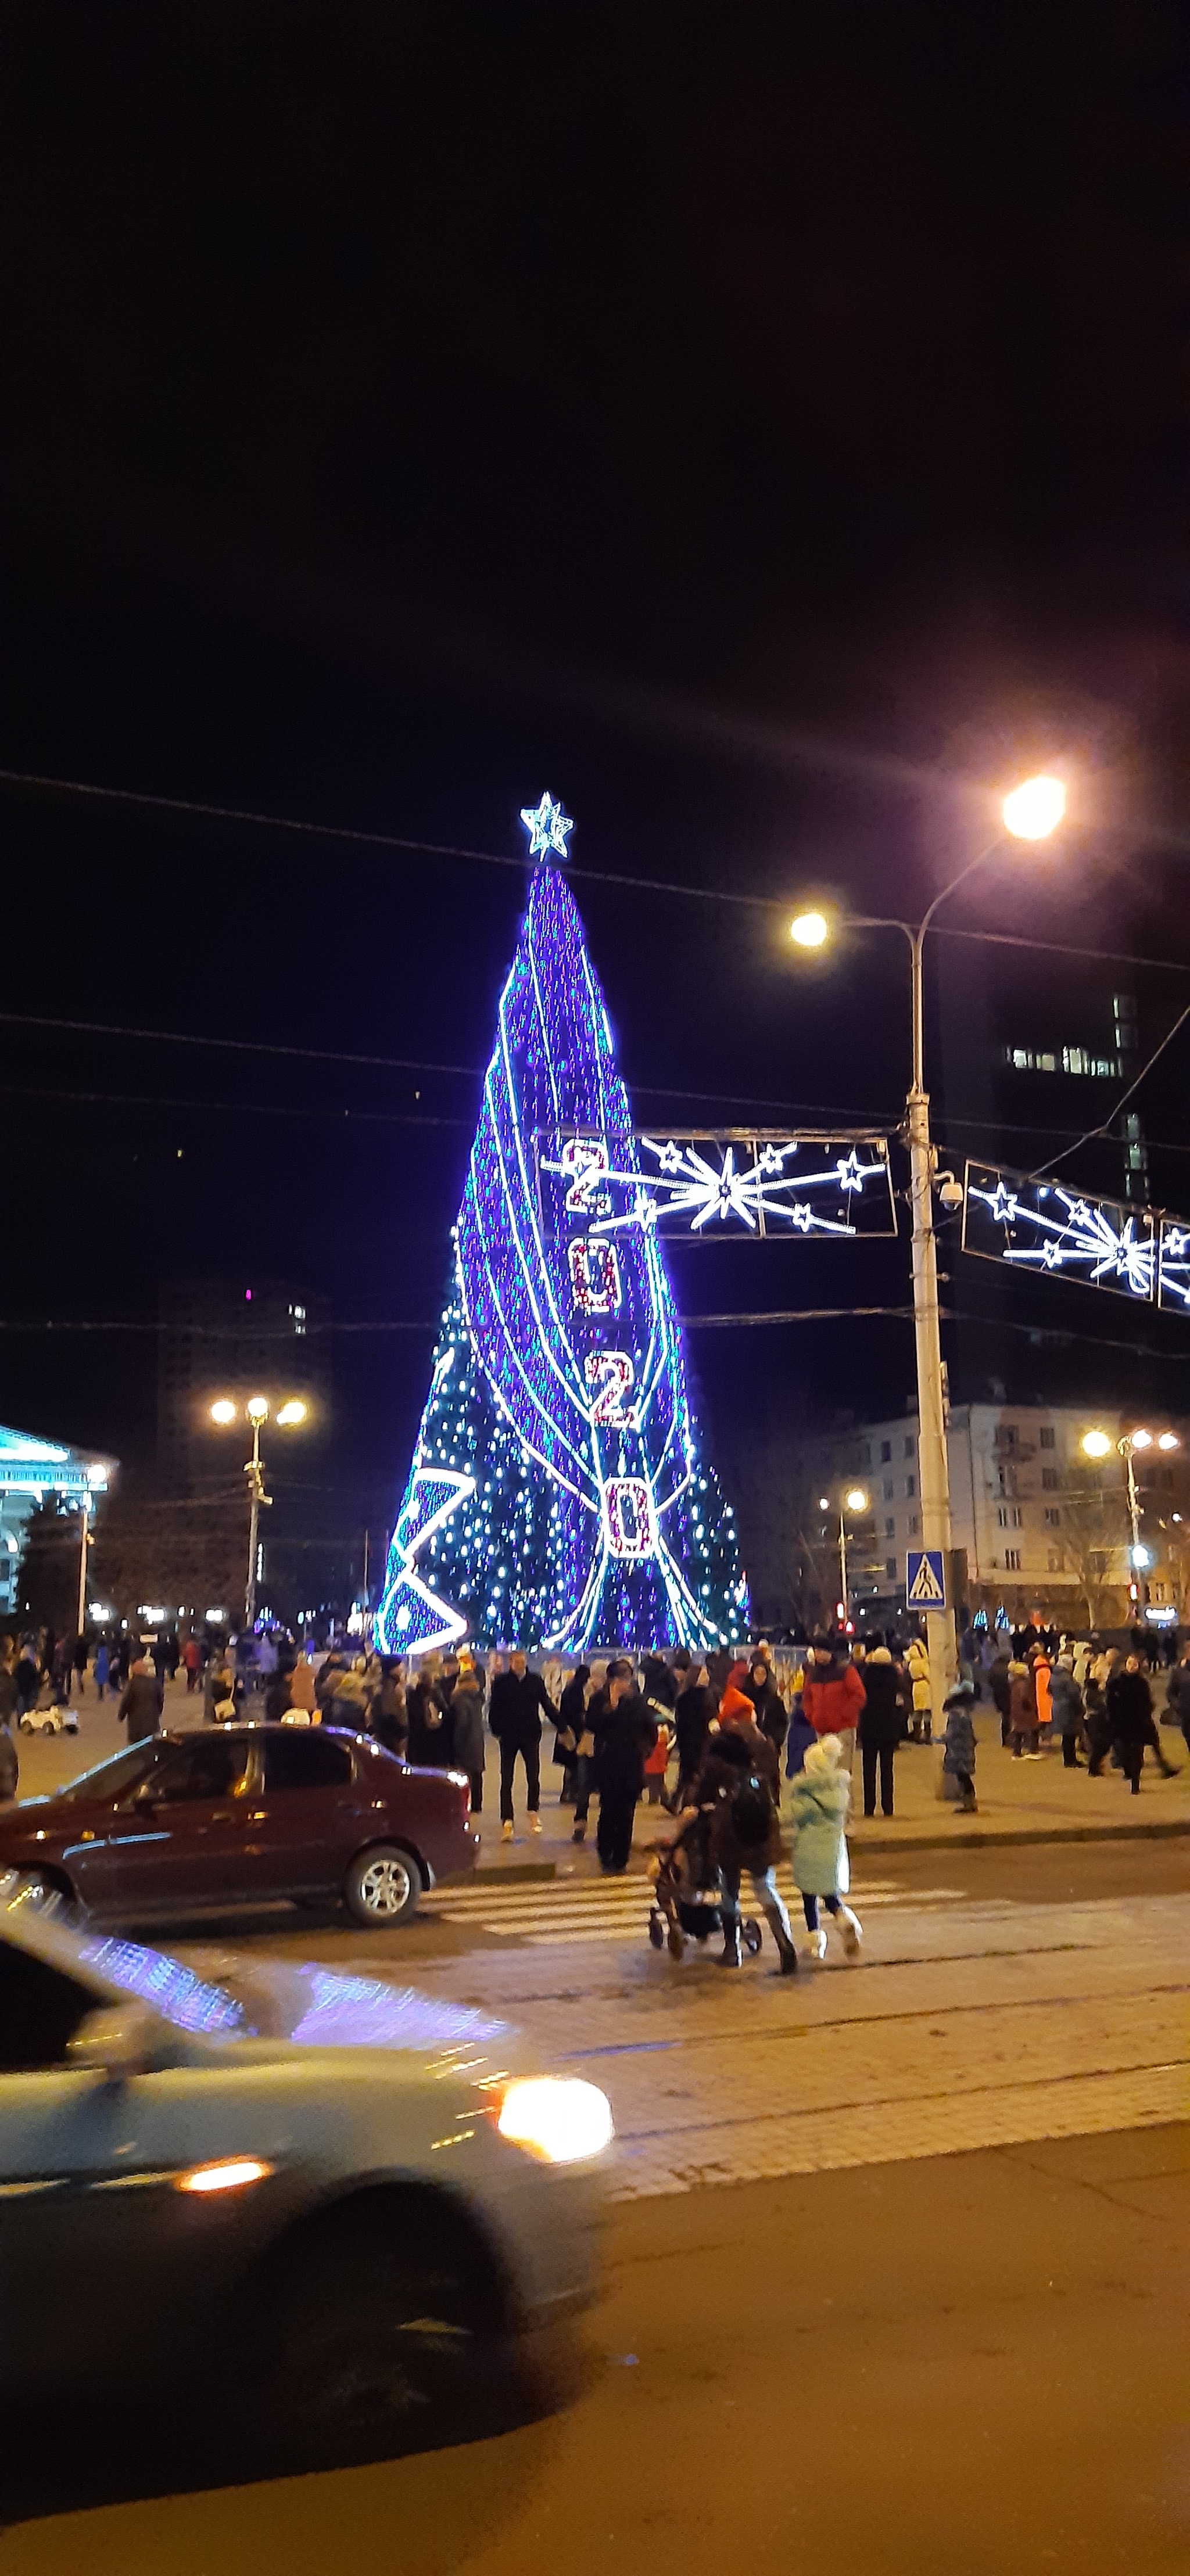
[557,1495]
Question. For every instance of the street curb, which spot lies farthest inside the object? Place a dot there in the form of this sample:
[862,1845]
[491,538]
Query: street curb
[1159,1831]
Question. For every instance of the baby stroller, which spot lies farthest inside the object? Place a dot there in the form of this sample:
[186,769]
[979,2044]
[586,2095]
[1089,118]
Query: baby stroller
[688,1893]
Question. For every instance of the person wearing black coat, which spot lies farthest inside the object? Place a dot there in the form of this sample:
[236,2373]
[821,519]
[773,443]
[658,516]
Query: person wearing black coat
[1131,1724]
[1001,1689]
[772,1716]
[883,1724]
[625,1731]
[572,1719]
[1177,1695]
[431,1735]
[519,1700]
[140,1702]
[696,1707]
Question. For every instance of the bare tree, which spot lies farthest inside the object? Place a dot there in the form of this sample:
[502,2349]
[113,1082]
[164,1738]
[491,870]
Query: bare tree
[1092,1534]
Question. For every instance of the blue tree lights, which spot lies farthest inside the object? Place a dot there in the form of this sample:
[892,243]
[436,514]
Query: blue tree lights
[557,1495]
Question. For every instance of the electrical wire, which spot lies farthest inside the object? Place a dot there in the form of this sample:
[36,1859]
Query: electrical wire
[1121,1104]
[501,859]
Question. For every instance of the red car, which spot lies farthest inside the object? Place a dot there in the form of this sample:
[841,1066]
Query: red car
[240,1815]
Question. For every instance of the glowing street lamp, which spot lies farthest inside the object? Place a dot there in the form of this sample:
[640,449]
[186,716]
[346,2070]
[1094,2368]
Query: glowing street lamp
[854,1501]
[810,930]
[1029,812]
[1099,1444]
[257,1409]
[1034,809]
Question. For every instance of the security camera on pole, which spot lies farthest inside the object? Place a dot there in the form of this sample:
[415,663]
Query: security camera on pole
[1031,813]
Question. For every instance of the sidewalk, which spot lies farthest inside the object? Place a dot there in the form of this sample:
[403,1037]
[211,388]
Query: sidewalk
[1019,1802]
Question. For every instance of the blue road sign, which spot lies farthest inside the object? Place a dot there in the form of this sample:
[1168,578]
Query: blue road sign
[925,1579]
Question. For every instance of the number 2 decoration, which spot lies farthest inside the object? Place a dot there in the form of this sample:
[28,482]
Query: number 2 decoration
[612,1373]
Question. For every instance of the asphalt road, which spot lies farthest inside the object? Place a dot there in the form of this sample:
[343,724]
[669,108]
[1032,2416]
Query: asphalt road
[969,2363]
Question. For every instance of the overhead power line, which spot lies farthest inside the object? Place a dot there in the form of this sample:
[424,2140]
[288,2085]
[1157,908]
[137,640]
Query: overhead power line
[733,895]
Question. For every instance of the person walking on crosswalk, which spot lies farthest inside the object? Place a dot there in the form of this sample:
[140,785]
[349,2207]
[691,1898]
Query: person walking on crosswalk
[739,1782]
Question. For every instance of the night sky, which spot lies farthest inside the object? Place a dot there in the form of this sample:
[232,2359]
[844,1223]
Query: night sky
[758,425]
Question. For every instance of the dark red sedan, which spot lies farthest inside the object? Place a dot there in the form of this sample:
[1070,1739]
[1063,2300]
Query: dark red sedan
[241,1815]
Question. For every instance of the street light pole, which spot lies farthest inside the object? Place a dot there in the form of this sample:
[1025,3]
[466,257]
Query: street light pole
[84,1543]
[843,1562]
[1030,813]
[256,1496]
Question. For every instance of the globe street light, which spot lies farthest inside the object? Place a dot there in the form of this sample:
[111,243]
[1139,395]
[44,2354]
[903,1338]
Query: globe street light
[224,1411]
[1099,1444]
[1029,812]
[855,1500]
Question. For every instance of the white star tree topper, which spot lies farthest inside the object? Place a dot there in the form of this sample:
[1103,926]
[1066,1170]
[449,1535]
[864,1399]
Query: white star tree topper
[547,826]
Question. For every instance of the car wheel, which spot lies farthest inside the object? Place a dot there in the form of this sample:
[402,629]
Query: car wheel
[49,1726]
[376,2337]
[42,1894]
[382,1886]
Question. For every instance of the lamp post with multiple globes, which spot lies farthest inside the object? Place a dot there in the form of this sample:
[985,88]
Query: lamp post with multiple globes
[1030,813]
[1099,1444]
[225,1411]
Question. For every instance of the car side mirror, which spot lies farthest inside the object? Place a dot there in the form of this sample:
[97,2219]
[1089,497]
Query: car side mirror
[117,2041]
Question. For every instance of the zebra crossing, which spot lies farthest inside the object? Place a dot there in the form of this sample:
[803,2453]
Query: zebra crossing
[543,1912]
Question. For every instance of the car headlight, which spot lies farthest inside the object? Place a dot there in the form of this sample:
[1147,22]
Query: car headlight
[558,2117]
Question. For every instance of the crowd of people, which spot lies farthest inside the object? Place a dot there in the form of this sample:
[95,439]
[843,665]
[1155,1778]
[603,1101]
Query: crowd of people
[625,1729]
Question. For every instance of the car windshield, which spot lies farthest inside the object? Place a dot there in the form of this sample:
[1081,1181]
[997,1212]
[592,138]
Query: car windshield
[113,1778]
[172,1989]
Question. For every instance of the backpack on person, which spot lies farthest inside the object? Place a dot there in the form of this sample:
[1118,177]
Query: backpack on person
[751,1813]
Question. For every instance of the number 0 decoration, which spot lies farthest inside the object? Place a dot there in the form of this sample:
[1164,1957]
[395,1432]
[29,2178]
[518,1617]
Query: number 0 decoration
[558,1494]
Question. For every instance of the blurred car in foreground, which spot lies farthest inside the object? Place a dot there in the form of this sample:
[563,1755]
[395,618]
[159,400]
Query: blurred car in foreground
[334,2197]
[240,1815]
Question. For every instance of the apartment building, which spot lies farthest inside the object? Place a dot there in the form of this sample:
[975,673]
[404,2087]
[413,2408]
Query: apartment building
[1037,1521]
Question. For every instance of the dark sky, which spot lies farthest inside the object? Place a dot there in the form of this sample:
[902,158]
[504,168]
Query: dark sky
[760,425]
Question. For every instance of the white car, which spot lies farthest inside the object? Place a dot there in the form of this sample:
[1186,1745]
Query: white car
[340,2196]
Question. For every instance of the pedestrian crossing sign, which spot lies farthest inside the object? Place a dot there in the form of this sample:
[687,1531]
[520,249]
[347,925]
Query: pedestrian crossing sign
[925,1581]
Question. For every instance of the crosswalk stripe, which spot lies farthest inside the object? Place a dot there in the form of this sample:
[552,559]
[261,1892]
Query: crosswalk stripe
[567,1922]
[593,1891]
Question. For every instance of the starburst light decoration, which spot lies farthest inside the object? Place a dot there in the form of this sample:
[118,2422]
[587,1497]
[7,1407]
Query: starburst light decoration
[743,1179]
[1045,1226]
[558,1494]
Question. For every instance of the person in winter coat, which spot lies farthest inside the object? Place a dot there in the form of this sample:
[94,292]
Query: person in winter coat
[959,1740]
[572,1710]
[1177,1695]
[772,1716]
[102,1666]
[519,1701]
[832,1697]
[28,1679]
[821,1797]
[302,1699]
[625,1732]
[693,1718]
[738,1782]
[1022,1713]
[1066,1704]
[276,1694]
[140,1702]
[883,1724]
[390,1716]
[466,1713]
[430,1734]
[1041,1668]
[917,1667]
[192,1660]
[1001,1690]
[9,1764]
[1131,1724]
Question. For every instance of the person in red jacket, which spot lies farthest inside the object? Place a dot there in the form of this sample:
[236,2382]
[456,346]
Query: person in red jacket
[832,1697]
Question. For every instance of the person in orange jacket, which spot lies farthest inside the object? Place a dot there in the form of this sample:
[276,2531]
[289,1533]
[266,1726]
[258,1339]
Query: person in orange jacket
[832,1697]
